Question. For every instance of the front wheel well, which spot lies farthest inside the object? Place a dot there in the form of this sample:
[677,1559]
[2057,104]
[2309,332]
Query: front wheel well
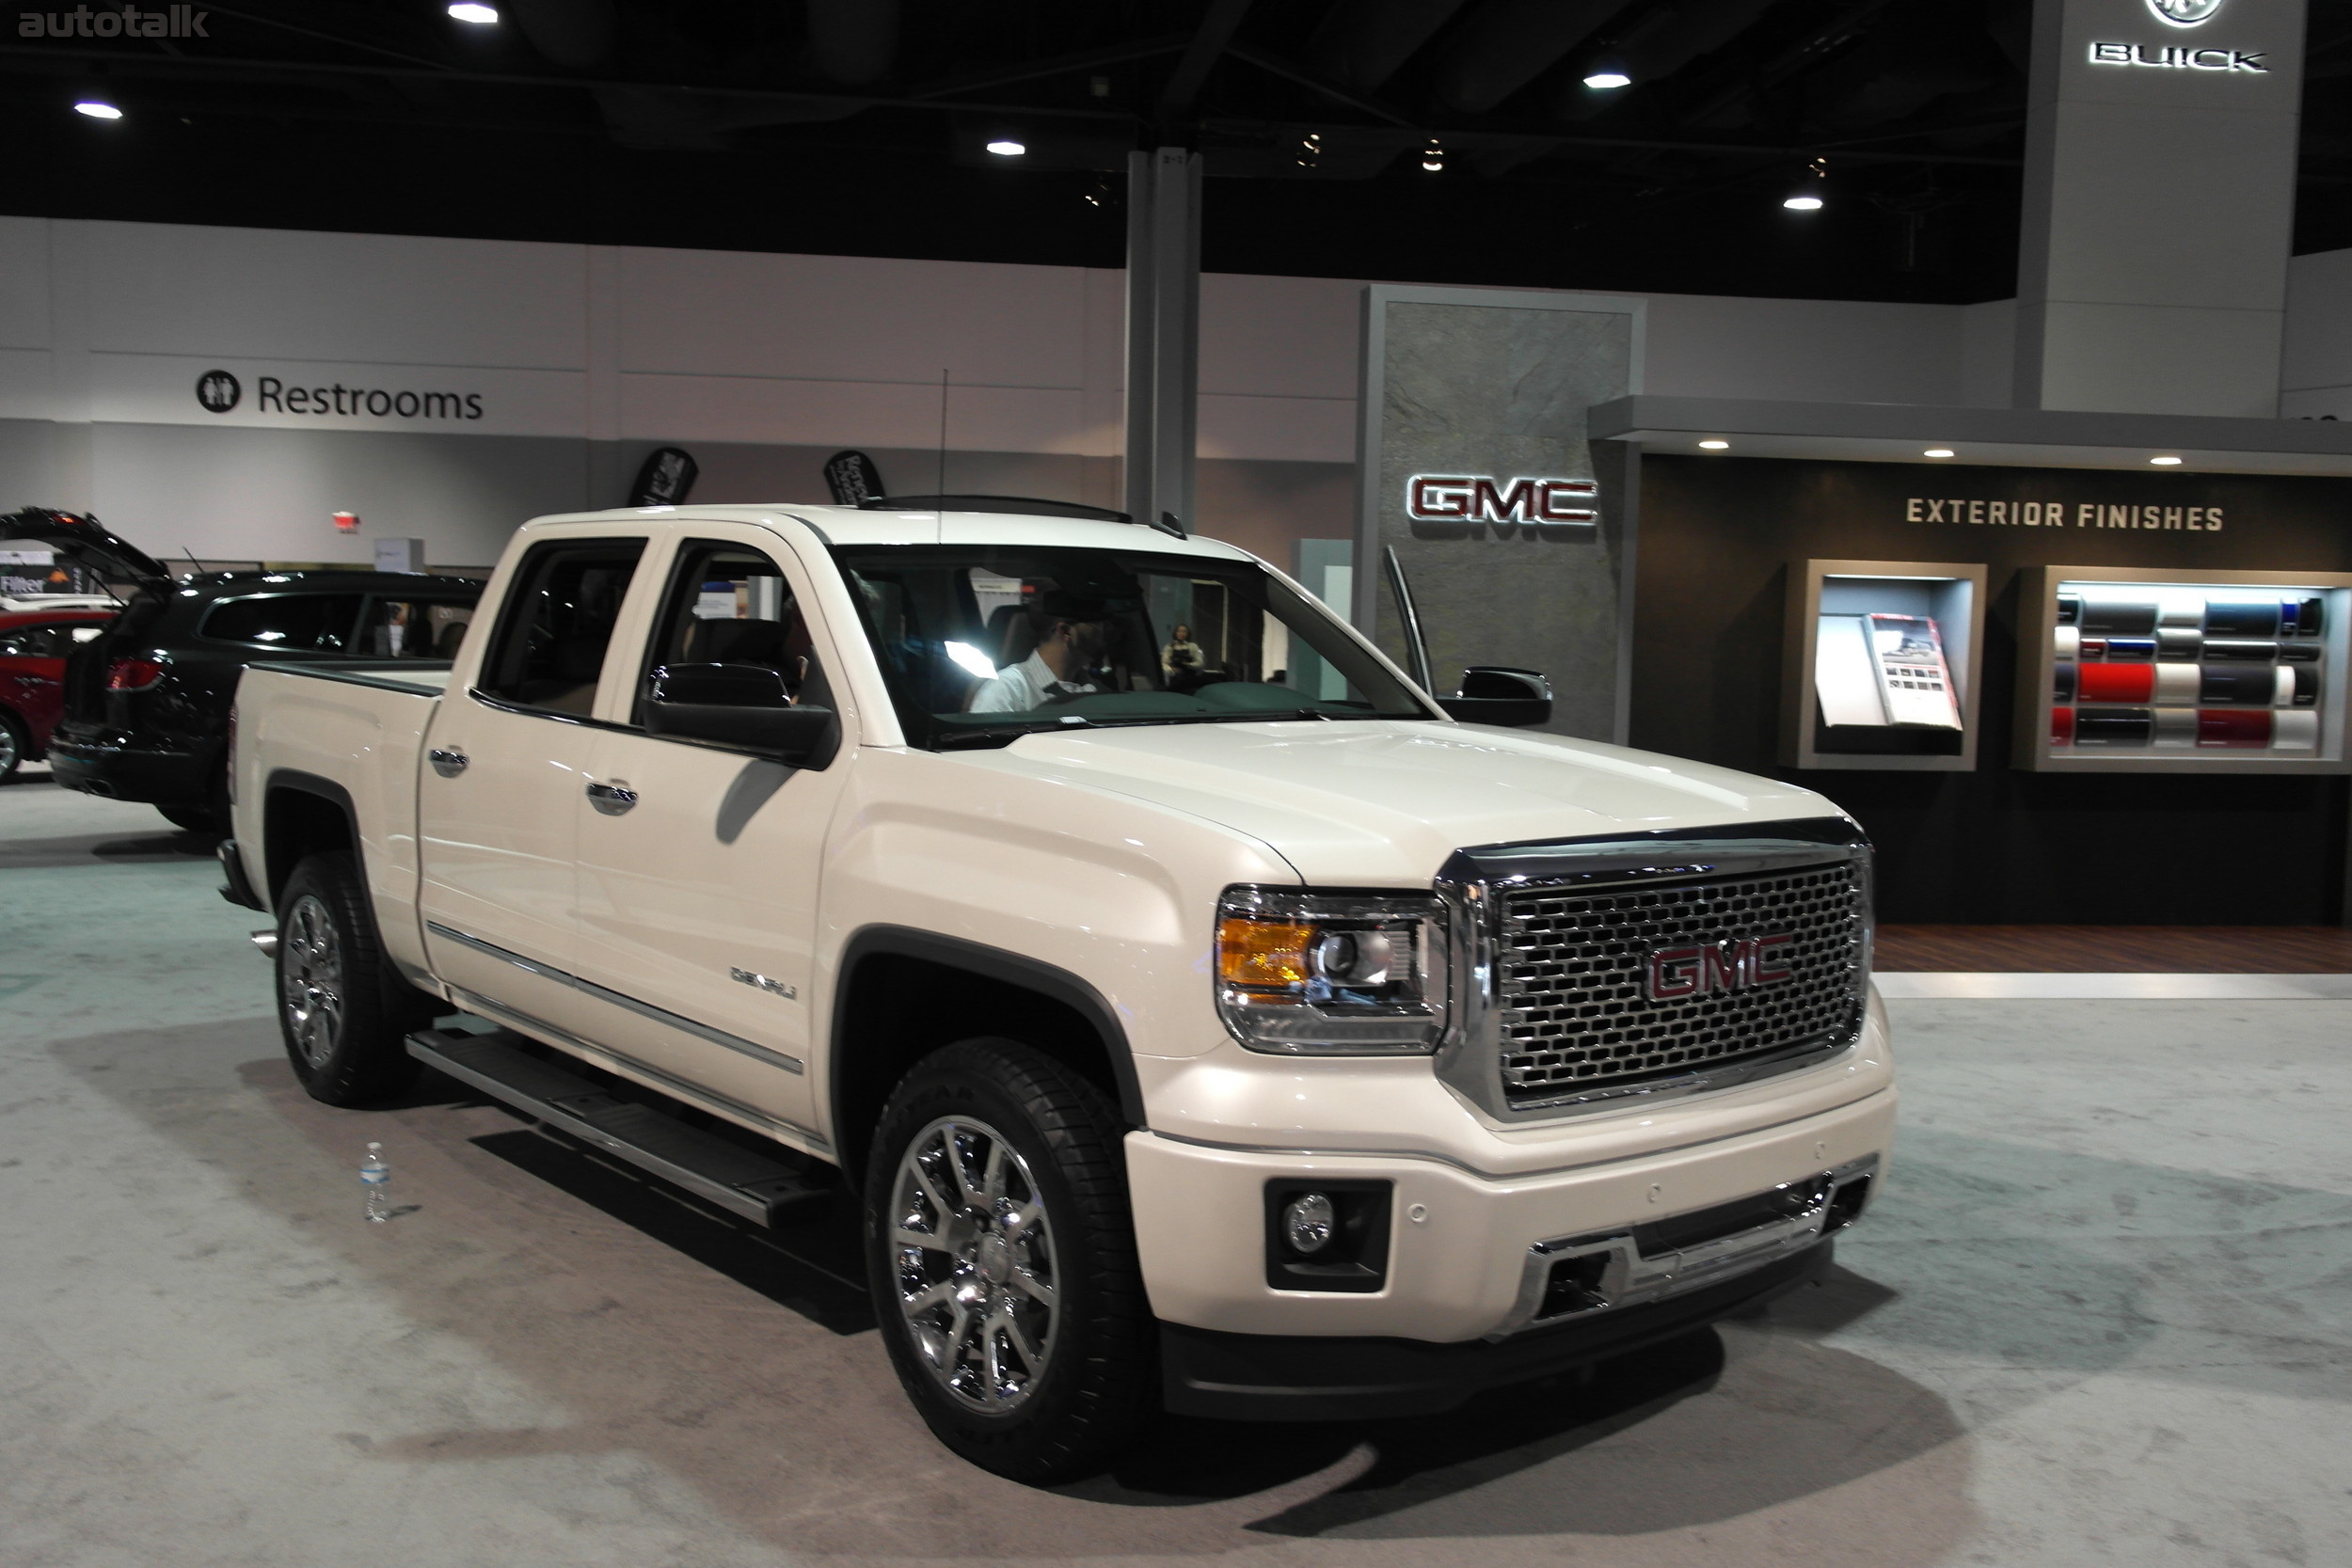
[897,1007]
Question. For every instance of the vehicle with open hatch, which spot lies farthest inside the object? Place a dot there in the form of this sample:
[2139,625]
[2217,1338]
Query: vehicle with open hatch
[35,639]
[145,705]
[1251,1034]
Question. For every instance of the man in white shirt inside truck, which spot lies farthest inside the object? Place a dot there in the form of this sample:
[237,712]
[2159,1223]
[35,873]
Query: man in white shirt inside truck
[1075,630]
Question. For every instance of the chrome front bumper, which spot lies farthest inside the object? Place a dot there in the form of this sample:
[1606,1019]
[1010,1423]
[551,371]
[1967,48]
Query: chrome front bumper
[1580,1276]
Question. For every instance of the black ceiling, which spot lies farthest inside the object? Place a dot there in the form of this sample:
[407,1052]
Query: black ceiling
[859,127]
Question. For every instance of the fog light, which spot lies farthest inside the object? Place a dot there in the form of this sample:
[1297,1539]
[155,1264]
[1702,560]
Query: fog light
[1309,1223]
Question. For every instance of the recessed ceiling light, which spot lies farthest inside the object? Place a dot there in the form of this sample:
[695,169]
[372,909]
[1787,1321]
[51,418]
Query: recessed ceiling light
[97,108]
[1806,198]
[1005,147]
[1607,81]
[2166,462]
[1937,451]
[1714,446]
[480,16]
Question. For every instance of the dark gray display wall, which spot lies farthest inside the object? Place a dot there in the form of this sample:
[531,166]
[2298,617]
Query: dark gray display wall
[1996,845]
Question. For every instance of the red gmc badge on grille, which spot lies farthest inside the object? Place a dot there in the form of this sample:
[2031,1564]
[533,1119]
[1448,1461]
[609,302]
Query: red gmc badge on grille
[1741,964]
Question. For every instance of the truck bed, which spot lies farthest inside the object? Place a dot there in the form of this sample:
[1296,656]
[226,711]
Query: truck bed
[353,728]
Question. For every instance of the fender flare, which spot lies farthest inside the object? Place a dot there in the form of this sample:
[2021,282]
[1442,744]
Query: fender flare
[296,780]
[995,963]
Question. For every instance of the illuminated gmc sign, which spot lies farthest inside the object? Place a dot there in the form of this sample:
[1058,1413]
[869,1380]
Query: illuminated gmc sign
[1484,498]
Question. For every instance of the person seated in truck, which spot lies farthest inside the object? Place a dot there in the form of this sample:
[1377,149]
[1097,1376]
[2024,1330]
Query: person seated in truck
[1073,632]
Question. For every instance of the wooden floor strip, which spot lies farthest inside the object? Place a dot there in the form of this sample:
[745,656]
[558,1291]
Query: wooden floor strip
[2116,949]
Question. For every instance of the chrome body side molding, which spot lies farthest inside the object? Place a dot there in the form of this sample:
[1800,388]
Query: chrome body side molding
[604,993]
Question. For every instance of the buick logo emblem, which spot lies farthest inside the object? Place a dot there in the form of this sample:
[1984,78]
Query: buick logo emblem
[1677,974]
[2184,13]
[218,390]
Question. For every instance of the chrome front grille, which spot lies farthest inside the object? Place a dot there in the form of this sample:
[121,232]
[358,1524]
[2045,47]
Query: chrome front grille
[1573,978]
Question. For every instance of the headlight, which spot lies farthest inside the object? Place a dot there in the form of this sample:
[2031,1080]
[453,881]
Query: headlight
[1331,973]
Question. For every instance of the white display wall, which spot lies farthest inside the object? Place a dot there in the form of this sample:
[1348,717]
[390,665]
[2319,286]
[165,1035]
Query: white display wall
[540,373]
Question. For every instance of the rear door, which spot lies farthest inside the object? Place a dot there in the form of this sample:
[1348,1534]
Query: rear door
[699,869]
[501,791]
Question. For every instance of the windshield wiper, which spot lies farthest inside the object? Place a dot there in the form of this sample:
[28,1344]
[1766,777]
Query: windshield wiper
[965,737]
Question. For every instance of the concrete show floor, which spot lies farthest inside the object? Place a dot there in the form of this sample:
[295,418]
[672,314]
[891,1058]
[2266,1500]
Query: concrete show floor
[2102,1315]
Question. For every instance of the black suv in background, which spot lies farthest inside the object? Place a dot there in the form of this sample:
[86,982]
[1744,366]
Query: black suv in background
[147,706]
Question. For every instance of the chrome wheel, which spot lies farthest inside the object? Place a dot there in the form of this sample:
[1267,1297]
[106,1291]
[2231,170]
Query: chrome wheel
[311,979]
[975,1264]
[11,752]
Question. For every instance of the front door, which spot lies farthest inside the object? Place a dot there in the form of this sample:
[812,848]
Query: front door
[503,789]
[698,868]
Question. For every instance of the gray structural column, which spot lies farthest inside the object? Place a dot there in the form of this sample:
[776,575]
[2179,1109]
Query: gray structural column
[2159,205]
[1163,331]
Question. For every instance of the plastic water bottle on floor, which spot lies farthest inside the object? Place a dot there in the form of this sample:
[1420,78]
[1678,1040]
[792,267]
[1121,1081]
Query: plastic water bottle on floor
[376,1176]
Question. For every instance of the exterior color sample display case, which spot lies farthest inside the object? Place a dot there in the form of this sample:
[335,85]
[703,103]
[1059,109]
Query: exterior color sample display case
[1881,664]
[2142,670]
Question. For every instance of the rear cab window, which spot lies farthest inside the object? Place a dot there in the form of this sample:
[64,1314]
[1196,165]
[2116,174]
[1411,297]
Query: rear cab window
[558,621]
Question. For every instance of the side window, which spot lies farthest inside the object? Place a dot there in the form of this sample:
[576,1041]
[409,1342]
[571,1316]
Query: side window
[317,623]
[731,604]
[552,636]
[53,641]
[413,628]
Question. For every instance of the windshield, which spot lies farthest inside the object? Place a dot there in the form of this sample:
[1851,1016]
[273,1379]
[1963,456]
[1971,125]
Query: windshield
[987,642]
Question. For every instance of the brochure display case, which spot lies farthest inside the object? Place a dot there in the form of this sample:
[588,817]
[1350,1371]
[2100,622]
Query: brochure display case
[2137,670]
[1881,665]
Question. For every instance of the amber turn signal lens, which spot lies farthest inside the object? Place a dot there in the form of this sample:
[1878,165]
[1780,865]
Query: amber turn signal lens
[1262,952]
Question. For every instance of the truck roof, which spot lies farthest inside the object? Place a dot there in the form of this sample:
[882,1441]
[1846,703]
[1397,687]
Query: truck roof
[849,525]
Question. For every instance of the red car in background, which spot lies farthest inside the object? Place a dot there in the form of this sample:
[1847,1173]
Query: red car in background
[34,643]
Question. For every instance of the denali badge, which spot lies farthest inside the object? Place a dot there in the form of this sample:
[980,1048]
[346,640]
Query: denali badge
[1675,973]
[773,988]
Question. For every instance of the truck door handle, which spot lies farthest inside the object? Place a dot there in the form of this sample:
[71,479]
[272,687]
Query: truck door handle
[447,764]
[612,799]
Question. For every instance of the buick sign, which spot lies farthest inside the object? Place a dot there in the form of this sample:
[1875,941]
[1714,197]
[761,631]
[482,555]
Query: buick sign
[2184,13]
[1674,973]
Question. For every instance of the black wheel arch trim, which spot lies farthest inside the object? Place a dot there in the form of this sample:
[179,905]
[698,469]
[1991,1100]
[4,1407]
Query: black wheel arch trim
[296,780]
[993,963]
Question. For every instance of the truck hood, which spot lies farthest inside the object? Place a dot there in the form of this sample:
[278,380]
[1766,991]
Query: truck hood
[1377,803]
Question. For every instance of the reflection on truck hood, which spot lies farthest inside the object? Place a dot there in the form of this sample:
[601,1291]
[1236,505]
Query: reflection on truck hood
[1373,804]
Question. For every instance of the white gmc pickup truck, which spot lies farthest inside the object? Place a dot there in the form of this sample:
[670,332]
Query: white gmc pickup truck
[1212,1021]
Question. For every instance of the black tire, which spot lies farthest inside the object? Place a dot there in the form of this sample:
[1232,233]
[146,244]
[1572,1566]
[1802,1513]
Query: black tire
[1094,1383]
[15,744]
[342,1009]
